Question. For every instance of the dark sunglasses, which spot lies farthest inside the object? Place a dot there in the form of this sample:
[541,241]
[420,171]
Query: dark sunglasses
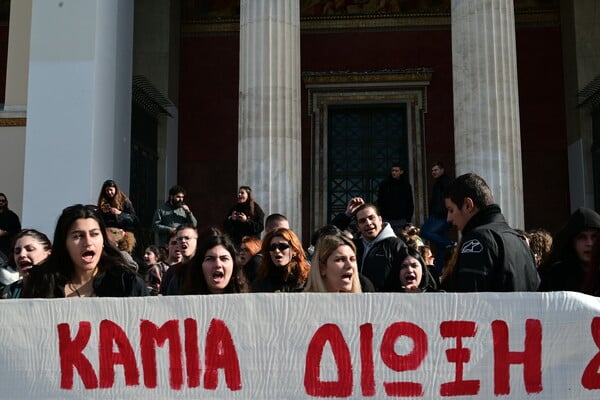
[279,246]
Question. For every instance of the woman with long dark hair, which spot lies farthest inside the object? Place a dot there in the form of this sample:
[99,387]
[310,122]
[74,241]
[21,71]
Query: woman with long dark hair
[245,218]
[214,269]
[411,276]
[29,250]
[155,268]
[117,209]
[83,263]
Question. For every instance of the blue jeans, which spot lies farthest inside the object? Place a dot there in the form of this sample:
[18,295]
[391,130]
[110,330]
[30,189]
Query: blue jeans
[436,231]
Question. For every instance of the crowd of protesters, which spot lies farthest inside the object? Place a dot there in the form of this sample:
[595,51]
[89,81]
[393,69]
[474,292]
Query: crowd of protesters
[91,251]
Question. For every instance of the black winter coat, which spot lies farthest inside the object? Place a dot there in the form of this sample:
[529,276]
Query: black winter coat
[237,229]
[493,257]
[437,207]
[395,199]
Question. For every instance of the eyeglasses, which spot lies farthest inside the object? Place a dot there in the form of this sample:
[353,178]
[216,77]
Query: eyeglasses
[279,246]
[185,239]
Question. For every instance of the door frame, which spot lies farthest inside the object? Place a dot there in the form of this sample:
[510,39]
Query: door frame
[403,87]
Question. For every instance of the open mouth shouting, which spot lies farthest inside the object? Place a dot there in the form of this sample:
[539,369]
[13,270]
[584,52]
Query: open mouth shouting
[347,277]
[411,273]
[340,281]
[88,256]
[25,264]
[218,277]
[410,278]
[280,251]
[217,268]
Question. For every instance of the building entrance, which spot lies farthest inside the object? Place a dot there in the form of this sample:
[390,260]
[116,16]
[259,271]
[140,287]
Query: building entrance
[361,124]
[362,143]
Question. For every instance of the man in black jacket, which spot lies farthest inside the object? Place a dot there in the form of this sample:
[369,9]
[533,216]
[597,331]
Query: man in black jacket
[435,228]
[378,249]
[492,257]
[395,199]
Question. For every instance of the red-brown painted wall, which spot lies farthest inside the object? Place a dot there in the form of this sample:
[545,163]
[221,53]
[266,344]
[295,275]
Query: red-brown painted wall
[209,110]
[543,127]
[208,119]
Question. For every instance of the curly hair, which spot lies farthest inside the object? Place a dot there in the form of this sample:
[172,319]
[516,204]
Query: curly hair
[540,242]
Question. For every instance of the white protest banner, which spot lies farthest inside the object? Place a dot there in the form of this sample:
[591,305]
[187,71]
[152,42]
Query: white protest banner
[299,346]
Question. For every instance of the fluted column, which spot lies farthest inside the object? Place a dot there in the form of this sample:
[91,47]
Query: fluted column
[487,137]
[269,143]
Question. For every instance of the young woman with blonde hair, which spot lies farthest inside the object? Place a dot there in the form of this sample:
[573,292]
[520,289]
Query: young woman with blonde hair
[334,267]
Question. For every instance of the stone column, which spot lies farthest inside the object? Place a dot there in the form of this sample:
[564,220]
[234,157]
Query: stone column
[79,104]
[269,143]
[486,101]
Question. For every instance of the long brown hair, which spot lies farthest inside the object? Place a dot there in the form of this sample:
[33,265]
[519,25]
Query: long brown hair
[250,203]
[451,265]
[297,266]
[118,201]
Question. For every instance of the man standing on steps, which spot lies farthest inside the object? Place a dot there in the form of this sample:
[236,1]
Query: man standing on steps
[395,199]
[172,214]
[435,229]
